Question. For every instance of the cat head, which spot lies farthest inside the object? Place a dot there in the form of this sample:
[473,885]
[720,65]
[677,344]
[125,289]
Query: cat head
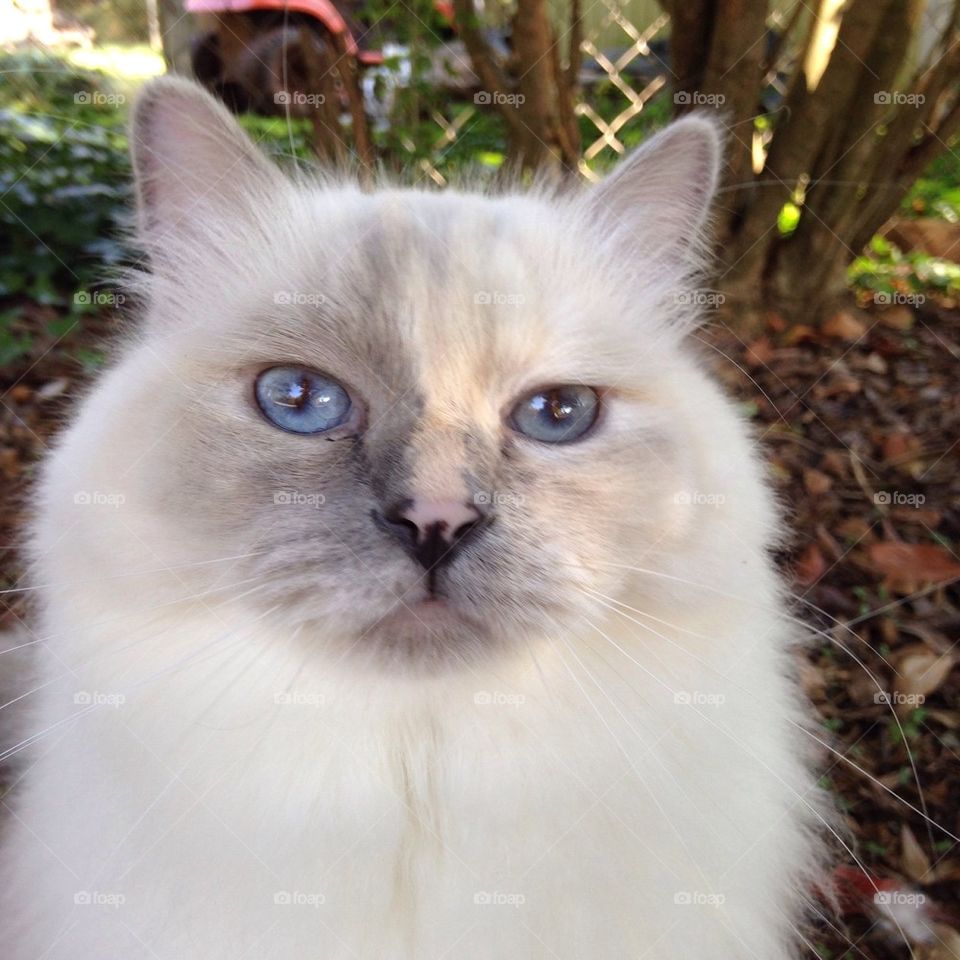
[424,424]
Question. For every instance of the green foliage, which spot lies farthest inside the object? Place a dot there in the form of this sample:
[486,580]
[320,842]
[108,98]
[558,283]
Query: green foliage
[910,728]
[937,192]
[890,275]
[64,178]
[65,173]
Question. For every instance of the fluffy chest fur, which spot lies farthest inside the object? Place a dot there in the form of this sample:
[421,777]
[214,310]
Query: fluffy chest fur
[577,807]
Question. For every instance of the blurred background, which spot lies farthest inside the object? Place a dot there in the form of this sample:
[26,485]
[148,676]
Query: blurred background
[833,315]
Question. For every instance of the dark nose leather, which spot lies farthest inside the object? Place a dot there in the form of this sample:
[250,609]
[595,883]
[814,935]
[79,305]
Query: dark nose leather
[432,532]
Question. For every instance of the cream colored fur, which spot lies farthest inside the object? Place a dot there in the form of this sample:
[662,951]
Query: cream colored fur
[234,760]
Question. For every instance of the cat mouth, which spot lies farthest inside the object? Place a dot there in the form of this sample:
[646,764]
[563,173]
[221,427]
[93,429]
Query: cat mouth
[431,619]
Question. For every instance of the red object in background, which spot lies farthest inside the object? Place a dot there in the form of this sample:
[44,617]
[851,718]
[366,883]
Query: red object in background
[900,909]
[323,11]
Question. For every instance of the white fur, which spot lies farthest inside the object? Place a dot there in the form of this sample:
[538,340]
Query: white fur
[563,797]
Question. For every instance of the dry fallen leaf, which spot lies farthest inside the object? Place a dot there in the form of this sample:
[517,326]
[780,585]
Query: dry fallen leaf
[920,671]
[810,566]
[845,326]
[816,482]
[909,563]
[945,945]
[897,318]
[914,862]
[900,446]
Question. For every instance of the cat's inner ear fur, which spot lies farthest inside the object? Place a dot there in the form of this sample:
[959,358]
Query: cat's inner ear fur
[192,162]
[658,199]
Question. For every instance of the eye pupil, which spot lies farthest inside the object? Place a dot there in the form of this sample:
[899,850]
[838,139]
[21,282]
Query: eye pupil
[300,400]
[560,409]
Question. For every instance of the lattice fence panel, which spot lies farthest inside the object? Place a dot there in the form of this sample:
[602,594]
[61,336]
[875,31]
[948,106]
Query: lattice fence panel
[611,67]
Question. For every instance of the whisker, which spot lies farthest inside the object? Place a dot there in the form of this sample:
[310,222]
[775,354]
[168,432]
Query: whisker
[879,783]
[890,707]
[131,573]
[159,606]
[640,778]
[812,809]
[33,738]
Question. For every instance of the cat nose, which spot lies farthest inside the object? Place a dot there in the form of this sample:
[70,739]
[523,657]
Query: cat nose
[431,531]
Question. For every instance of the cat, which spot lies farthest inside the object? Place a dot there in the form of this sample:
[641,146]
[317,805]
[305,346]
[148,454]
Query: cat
[405,590]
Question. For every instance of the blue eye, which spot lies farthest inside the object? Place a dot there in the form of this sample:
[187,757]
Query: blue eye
[557,415]
[301,400]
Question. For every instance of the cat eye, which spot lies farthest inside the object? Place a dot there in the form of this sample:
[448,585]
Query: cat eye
[558,414]
[301,400]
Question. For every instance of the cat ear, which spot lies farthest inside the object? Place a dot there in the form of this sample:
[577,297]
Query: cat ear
[660,195]
[191,160]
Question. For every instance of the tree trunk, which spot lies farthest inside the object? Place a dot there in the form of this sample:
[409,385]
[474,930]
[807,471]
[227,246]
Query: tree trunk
[847,143]
[534,93]
[177,31]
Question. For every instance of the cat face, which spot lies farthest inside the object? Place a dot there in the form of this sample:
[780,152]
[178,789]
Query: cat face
[432,425]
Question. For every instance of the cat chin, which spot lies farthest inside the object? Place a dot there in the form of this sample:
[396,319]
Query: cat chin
[432,634]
